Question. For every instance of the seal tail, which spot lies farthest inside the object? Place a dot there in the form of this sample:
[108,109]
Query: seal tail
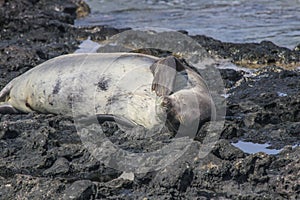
[5,107]
[4,93]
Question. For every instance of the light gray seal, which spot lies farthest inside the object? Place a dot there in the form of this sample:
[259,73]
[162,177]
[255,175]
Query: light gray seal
[129,88]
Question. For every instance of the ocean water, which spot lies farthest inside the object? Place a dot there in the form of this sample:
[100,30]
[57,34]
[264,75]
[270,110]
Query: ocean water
[227,20]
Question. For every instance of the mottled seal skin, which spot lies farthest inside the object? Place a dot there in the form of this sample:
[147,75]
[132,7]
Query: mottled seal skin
[134,88]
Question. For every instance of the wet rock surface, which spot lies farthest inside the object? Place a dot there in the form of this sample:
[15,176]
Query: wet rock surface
[42,156]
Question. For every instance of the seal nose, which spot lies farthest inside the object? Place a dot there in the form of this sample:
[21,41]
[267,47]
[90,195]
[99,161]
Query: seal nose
[171,109]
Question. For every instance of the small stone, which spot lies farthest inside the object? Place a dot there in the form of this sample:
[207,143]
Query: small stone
[127,176]
[80,190]
[297,48]
[61,166]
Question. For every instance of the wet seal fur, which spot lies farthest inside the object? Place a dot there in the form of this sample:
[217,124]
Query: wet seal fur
[164,94]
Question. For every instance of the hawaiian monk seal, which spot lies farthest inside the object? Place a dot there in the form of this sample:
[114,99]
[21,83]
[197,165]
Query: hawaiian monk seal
[135,89]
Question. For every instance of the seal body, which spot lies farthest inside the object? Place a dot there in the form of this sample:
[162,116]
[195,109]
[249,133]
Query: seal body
[142,89]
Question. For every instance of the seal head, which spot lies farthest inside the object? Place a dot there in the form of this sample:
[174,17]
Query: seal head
[185,96]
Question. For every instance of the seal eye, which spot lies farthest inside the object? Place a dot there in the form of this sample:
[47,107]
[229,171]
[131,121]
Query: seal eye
[166,103]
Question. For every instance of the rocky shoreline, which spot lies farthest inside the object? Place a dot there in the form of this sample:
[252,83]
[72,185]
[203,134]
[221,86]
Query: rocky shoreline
[42,157]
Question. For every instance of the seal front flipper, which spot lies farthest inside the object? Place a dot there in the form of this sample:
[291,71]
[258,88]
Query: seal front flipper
[119,120]
[164,72]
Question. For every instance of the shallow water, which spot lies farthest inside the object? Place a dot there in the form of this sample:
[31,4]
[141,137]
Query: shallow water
[226,20]
[87,46]
[250,147]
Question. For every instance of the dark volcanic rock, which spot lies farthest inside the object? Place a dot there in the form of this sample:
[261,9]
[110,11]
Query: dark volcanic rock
[252,55]
[265,108]
[80,190]
[231,76]
[42,156]
[32,32]
[60,166]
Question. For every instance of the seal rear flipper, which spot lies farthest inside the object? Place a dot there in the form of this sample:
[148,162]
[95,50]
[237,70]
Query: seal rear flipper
[6,108]
[164,72]
[118,119]
[4,93]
